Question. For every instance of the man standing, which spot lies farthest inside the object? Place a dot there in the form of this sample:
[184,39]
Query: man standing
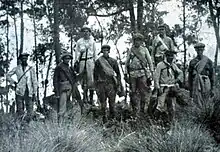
[161,44]
[167,79]
[201,76]
[139,68]
[86,54]
[64,82]
[26,85]
[107,79]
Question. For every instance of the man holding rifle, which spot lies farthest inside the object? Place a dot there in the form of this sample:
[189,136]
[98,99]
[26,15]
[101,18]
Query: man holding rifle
[25,86]
[139,69]
[86,55]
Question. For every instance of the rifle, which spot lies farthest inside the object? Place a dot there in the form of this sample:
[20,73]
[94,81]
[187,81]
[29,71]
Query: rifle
[120,63]
[85,81]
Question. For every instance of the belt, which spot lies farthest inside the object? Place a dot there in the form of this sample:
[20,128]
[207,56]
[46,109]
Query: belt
[83,59]
[167,85]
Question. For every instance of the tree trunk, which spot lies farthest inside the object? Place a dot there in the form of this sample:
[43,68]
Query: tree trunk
[7,56]
[140,9]
[216,28]
[36,53]
[56,31]
[217,47]
[132,16]
[16,36]
[22,28]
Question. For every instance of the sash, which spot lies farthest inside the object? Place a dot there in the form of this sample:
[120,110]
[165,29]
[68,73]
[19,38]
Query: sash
[107,68]
[67,73]
[143,60]
[164,46]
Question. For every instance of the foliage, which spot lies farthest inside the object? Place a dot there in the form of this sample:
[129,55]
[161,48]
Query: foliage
[208,115]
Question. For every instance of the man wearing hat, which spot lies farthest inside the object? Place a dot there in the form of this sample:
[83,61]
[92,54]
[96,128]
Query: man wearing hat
[139,68]
[64,82]
[167,79]
[26,85]
[107,78]
[201,76]
[86,55]
[161,44]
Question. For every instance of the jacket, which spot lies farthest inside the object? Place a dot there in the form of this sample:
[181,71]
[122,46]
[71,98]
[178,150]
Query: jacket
[28,79]
[63,73]
[167,74]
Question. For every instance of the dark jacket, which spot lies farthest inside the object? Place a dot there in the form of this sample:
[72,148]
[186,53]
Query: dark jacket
[208,70]
[63,73]
[99,74]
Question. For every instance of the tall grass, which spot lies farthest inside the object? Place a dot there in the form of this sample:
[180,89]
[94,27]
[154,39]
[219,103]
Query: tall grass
[182,137]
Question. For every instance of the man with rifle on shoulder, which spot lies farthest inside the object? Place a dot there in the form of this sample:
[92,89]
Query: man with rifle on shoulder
[25,87]
[139,69]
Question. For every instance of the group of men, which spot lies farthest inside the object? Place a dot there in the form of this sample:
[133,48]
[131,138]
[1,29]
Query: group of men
[103,76]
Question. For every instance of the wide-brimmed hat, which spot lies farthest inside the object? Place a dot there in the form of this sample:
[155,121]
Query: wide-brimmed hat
[85,27]
[105,46]
[23,55]
[64,54]
[199,45]
[138,36]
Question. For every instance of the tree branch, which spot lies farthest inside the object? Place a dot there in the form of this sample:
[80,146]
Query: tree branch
[94,13]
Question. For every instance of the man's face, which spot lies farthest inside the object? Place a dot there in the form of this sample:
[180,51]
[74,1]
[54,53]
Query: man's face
[86,33]
[137,42]
[161,31]
[170,58]
[105,52]
[24,60]
[66,59]
[199,51]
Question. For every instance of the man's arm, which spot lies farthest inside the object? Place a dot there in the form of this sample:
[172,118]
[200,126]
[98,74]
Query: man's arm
[94,52]
[157,76]
[211,74]
[190,78]
[34,80]
[179,74]
[56,81]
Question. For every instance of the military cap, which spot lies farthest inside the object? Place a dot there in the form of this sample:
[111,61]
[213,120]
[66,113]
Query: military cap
[64,54]
[162,26]
[106,46]
[85,27]
[199,45]
[138,36]
[22,55]
[170,52]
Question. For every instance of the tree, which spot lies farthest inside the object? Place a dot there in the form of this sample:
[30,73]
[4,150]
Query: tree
[213,19]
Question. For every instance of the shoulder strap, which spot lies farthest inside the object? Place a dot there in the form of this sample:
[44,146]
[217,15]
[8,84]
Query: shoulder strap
[23,74]
[201,64]
[139,56]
